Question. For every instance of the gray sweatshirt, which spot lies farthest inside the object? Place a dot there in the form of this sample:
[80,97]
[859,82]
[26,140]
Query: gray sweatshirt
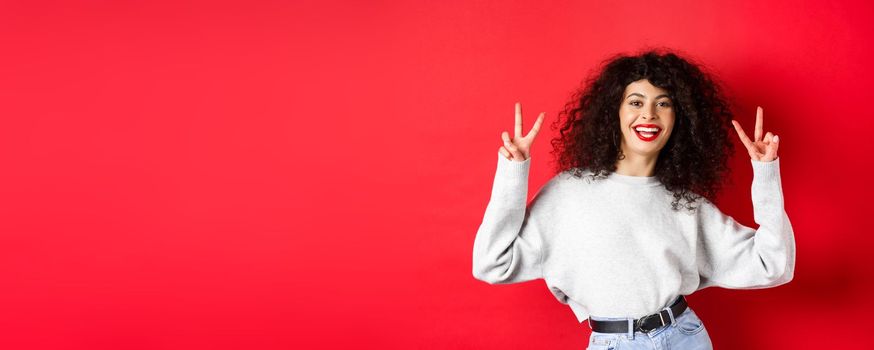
[613,247]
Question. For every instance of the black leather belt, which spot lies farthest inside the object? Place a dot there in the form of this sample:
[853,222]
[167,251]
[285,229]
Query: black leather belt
[644,324]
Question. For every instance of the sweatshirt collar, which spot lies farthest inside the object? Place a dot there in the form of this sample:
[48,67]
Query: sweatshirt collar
[633,180]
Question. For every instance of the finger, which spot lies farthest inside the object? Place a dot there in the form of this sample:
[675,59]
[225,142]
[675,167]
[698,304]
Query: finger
[751,150]
[511,147]
[505,153]
[758,123]
[771,152]
[768,137]
[536,128]
[517,154]
[743,136]
[518,120]
[775,144]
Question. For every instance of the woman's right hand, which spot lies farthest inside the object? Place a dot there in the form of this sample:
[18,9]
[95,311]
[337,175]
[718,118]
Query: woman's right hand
[519,147]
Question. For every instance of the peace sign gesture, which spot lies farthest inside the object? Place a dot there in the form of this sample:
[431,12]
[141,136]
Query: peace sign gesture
[763,150]
[519,148]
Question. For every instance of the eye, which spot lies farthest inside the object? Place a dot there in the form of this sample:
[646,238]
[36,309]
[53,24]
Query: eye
[636,103]
[664,104]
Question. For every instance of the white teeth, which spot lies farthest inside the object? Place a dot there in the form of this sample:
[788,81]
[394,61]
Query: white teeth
[647,129]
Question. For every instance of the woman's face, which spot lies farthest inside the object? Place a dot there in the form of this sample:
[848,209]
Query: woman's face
[646,118]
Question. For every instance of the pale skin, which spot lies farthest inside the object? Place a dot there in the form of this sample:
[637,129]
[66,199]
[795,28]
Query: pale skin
[643,104]
[762,148]
[519,147]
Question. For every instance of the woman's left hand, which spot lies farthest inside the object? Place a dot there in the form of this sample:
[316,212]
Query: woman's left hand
[760,149]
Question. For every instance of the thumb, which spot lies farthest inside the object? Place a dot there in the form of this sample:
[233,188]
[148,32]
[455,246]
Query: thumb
[771,151]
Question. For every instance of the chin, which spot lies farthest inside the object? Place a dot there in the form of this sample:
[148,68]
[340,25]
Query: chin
[647,151]
[644,148]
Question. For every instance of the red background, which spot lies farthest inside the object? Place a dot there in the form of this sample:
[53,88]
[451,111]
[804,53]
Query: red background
[264,174]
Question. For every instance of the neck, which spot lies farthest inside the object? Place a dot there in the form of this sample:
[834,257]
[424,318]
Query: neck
[636,165]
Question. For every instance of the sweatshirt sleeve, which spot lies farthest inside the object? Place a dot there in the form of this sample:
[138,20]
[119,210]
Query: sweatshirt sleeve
[507,247]
[738,257]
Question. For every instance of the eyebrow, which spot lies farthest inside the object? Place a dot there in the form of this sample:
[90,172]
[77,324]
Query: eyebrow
[656,98]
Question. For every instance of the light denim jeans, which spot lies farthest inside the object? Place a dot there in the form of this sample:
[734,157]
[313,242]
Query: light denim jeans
[687,333]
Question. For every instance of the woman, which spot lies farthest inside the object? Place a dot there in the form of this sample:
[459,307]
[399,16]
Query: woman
[628,227]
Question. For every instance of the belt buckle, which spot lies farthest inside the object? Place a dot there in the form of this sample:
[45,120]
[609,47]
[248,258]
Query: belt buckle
[640,321]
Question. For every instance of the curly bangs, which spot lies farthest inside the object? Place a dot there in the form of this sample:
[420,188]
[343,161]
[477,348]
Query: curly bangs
[694,160]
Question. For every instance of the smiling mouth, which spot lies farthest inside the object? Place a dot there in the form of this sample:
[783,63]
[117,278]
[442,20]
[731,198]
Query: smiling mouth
[647,134]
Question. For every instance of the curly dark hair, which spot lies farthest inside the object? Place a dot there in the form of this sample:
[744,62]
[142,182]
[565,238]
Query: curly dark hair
[694,160]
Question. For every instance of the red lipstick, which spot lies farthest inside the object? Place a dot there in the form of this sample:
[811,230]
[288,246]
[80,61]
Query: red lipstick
[652,135]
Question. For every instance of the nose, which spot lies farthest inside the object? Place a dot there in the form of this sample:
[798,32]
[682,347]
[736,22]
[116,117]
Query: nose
[648,115]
